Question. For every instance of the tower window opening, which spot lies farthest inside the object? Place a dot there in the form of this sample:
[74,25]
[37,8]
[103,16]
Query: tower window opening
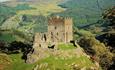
[45,37]
[51,34]
[57,34]
[39,45]
[55,27]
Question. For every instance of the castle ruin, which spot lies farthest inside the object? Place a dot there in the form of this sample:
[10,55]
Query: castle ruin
[59,30]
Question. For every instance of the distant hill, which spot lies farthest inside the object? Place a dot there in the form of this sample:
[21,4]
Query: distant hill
[27,17]
[85,11]
[33,2]
[6,12]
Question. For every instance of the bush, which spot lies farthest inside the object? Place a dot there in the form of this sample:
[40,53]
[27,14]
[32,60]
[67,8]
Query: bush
[94,47]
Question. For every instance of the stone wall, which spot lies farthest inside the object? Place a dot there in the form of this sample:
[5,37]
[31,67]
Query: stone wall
[40,40]
[59,30]
[56,29]
[68,29]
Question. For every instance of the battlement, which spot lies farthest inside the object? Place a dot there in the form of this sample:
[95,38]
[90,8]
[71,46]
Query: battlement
[68,21]
[68,18]
[55,20]
[58,20]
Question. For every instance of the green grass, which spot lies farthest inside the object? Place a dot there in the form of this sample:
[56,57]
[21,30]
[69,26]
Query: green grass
[10,36]
[66,46]
[7,37]
[61,64]
[19,64]
[64,63]
[44,9]
[5,61]
[53,62]
[83,32]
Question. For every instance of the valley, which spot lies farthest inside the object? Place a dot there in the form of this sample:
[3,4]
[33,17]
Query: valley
[92,46]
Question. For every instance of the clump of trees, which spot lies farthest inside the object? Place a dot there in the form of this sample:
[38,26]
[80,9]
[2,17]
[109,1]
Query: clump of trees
[95,48]
[16,47]
[110,15]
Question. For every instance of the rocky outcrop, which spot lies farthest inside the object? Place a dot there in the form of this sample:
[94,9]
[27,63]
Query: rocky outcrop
[38,53]
[41,53]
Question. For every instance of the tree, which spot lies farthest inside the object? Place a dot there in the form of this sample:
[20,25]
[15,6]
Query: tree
[110,15]
[96,48]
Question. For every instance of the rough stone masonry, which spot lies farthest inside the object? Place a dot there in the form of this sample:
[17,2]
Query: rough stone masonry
[59,30]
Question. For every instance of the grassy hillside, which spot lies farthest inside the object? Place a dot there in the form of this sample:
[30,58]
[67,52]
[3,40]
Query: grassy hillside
[85,12]
[28,17]
[18,63]
[44,9]
[5,13]
[5,62]
[67,57]
[60,61]
[7,37]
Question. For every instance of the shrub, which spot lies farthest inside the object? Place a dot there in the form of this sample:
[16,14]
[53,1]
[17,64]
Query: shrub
[94,47]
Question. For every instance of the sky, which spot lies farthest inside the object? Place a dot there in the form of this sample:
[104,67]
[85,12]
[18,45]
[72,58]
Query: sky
[3,0]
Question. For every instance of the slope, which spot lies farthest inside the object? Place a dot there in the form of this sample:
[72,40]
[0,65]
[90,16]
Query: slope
[85,12]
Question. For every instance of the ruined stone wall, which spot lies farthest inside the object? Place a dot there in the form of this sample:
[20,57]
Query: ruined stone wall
[59,30]
[40,40]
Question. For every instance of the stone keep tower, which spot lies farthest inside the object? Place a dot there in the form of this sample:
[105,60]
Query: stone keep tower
[68,28]
[60,29]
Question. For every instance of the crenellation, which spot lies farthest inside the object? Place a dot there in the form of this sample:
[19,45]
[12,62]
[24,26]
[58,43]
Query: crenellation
[55,20]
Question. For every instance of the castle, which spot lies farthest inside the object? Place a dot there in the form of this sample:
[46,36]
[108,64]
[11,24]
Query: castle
[59,30]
